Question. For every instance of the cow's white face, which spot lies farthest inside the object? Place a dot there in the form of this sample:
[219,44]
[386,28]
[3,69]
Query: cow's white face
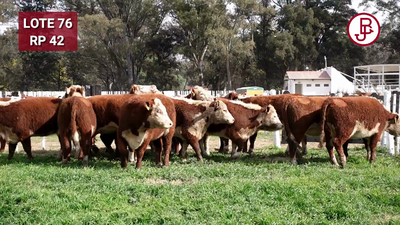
[394,126]
[221,115]
[270,120]
[158,117]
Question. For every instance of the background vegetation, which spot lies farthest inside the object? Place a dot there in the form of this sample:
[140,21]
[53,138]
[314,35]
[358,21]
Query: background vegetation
[222,44]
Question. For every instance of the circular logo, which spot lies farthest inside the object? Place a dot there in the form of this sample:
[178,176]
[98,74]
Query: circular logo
[363,29]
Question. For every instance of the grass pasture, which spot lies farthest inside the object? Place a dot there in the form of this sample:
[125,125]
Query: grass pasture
[263,189]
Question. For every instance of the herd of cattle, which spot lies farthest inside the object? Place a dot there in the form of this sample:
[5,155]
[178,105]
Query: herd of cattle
[136,120]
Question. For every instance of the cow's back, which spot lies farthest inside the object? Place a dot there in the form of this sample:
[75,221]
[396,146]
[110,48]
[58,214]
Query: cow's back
[37,116]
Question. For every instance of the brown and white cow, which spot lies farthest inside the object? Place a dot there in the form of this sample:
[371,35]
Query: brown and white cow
[2,141]
[108,136]
[279,103]
[199,93]
[140,89]
[354,117]
[146,118]
[76,124]
[249,118]
[21,119]
[193,118]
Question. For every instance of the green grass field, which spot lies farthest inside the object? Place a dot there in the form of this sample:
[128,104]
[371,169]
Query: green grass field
[263,189]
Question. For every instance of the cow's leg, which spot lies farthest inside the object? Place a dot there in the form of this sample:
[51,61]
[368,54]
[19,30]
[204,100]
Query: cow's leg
[65,148]
[3,145]
[304,145]
[195,145]
[329,147]
[131,156]
[252,141]
[237,147]
[60,153]
[11,150]
[245,146]
[183,153]
[206,150]
[77,145]
[107,140]
[26,144]
[202,145]
[338,143]
[374,139]
[224,145]
[292,152]
[86,143]
[345,149]
[175,145]
[123,150]
[221,145]
[140,152]
[367,144]
[158,151]
[166,143]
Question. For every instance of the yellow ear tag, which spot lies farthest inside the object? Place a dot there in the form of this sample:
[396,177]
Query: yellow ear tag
[147,107]
[395,119]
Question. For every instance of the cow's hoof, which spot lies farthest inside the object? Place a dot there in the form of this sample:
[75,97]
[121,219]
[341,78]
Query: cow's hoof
[236,155]
[165,166]
[294,162]
[159,165]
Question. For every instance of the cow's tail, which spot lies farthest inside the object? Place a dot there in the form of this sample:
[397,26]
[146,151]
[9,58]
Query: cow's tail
[285,118]
[323,121]
[73,126]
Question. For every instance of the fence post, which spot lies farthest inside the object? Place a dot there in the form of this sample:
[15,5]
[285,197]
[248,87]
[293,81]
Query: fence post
[387,139]
[44,143]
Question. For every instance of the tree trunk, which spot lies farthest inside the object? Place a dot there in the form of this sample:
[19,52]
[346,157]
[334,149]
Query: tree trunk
[129,62]
[228,73]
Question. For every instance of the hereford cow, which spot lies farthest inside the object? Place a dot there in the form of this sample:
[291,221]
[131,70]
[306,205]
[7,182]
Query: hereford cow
[349,117]
[141,89]
[146,118]
[21,119]
[193,119]
[2,141]
[199,93]
[108,137]
[279,103]
[249,118]
[76,124]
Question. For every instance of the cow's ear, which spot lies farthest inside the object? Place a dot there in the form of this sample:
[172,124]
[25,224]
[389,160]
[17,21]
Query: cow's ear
[192,91]
[396,118]
[148,106]
[268,109]
[83,90]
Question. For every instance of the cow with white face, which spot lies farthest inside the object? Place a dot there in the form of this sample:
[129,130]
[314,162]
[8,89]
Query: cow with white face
[158,117]
[193,119]
[352,118]
[249,118]
[143,119]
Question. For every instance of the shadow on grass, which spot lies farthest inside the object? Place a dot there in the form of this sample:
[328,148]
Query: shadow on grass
[105,160]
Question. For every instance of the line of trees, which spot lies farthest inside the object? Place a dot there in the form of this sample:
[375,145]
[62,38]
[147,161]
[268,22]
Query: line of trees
[221,44]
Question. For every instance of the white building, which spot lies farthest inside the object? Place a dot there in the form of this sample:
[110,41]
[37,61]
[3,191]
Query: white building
[322,82]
